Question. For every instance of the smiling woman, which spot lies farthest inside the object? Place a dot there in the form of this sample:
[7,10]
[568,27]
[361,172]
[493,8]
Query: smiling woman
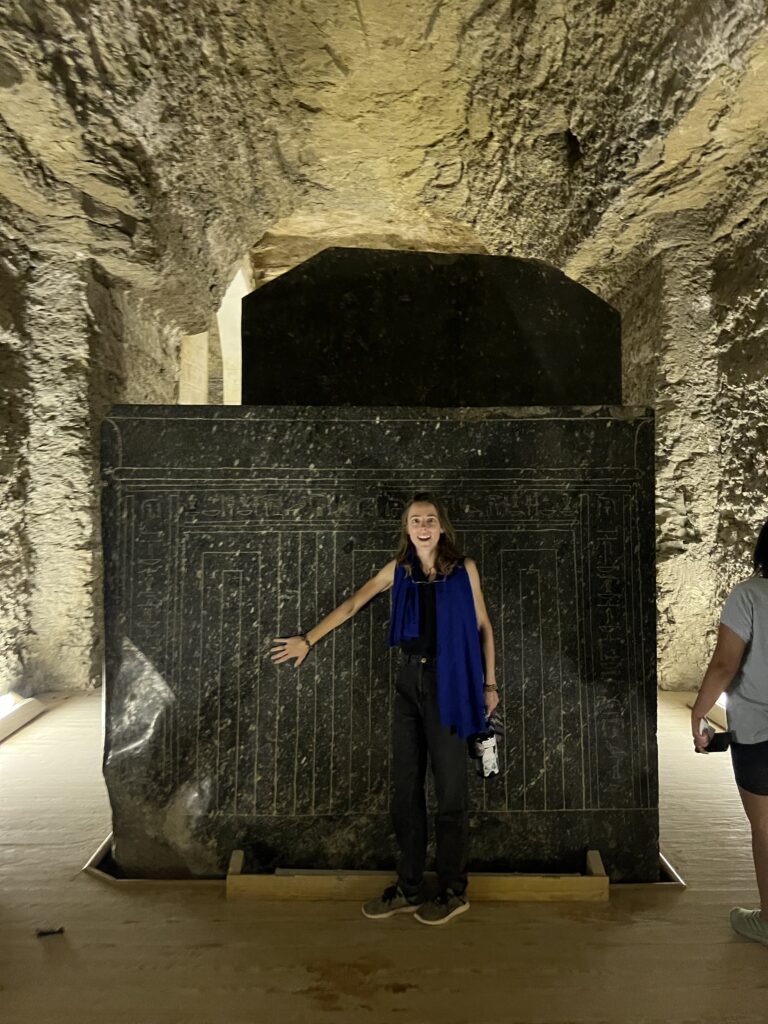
[445,692]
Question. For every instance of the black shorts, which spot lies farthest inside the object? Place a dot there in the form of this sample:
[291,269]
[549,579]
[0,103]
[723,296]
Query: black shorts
[750,766]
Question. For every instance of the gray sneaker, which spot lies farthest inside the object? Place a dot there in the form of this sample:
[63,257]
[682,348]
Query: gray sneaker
[447,905]
[392,901]
[750,924]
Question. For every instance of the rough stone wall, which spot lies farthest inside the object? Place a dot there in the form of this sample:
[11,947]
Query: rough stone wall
[145,148]
[59,510]
[133,175]
[14,433]
[147,135]
[740,309]
[640,304]
[584,89]
[695,208]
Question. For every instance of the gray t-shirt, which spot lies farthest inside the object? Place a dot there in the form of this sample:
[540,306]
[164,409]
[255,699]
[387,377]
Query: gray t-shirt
[746,613]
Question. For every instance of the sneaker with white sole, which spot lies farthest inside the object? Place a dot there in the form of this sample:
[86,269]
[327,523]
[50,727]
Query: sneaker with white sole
[439,911]
[392,901]
[751,924]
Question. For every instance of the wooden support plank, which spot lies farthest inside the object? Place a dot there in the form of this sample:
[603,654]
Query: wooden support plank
[538,888]
[361,885]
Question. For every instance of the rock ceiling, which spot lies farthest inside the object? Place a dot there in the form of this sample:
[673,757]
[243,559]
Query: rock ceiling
[165,140]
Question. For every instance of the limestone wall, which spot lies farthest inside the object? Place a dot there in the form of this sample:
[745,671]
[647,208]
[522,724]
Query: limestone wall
[740,314]
[146,148]
[683,250]
[14,433]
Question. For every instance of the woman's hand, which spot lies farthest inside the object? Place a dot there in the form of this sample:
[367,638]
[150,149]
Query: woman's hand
[700,739]
[284,648]
[491,698]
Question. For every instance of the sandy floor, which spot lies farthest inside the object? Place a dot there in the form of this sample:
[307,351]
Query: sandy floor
[179,953]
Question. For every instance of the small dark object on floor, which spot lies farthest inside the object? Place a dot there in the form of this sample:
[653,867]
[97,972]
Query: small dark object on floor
[43,932]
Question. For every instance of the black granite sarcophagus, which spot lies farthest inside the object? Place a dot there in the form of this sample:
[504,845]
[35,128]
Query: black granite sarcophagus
[371,327]
[224,527]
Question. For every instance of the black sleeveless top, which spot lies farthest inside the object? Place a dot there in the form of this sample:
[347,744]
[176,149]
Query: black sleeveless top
[426,642]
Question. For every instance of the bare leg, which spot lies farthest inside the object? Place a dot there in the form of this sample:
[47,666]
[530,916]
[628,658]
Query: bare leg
[756,808]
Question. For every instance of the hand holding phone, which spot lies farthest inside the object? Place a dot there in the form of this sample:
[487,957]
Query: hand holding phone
[718,741]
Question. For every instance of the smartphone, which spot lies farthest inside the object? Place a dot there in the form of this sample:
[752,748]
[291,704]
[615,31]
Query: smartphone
[718,741]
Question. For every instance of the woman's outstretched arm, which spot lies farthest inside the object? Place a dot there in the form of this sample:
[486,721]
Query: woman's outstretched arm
[490,693]
[287,648]
[723,666]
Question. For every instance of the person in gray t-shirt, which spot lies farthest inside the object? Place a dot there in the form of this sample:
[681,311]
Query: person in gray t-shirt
[739,666]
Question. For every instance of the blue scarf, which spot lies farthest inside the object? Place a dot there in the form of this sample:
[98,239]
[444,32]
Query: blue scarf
[459,660]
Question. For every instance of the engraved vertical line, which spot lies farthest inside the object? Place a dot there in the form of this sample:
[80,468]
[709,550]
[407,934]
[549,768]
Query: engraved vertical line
[279,593]
[173,667]
[482,577]
[200,669]
[222,595]
[351,698]
[170,626]
[544,746]
[579,663]
[183,717]
[132,530]
[333,683]
[259,678]
[297,718]
[560,671]
[641,624]
[238,660]
[522,688]
[370,700]
[638,658]
[503,620]
[390,688]
[593,715]
[315,678]
[629,659]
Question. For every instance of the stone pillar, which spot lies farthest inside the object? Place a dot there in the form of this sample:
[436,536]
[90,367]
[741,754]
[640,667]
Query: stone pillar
[60,515]
[229,320]
[688,468]
[215,365]
[193,369]
[14,427]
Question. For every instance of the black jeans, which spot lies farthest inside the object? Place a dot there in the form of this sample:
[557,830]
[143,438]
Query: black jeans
[417,732]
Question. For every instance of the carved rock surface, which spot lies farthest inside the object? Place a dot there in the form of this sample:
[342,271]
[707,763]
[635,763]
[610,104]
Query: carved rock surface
[146,147]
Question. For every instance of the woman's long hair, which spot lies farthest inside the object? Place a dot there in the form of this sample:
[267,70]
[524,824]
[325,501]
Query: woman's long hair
[447,556]
[760,556]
